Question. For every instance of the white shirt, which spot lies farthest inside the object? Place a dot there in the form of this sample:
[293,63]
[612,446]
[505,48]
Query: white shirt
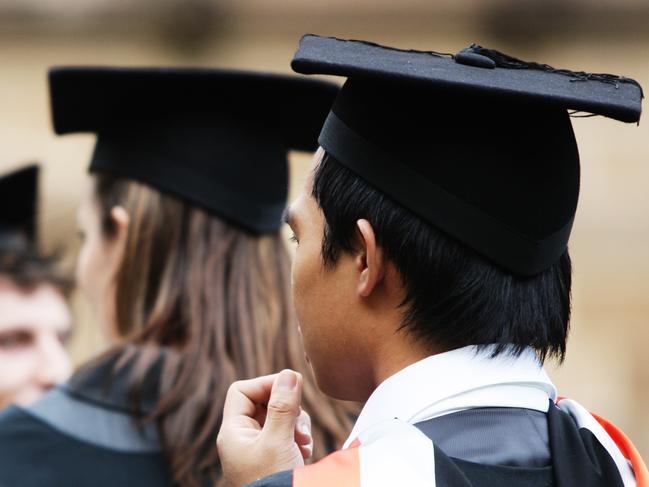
[454,381]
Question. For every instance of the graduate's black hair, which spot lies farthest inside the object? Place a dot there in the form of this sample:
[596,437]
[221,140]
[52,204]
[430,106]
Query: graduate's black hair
[454,297]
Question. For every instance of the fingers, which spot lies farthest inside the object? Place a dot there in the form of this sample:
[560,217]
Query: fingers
[260,414]
[303,429]
[306,451]
[244,396]
[303,437]
[263,430]
[283,406]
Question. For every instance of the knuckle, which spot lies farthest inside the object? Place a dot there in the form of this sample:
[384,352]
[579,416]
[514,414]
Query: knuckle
[280,406]
[236,384]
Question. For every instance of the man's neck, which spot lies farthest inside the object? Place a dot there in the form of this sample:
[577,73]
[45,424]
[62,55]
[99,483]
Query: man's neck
[398,353]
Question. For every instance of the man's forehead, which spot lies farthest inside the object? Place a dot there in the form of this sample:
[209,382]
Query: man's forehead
[42,304]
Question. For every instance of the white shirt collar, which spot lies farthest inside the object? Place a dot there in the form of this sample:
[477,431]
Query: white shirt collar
[456,380]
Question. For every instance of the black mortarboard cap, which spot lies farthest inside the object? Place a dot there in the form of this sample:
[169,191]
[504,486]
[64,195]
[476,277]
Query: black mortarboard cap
[19,203]
[479,144]
[216,138]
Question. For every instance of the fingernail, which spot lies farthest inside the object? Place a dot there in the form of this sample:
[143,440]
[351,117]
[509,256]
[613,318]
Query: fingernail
[287,380]
[303,428]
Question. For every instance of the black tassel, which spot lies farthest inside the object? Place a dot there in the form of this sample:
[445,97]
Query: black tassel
[509,62]
[374,44]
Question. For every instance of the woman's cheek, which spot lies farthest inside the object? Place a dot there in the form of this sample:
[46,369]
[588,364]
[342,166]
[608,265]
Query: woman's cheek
[81,271]
[88,275]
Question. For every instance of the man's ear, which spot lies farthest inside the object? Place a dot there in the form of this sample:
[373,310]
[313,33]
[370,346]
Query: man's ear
[369,260]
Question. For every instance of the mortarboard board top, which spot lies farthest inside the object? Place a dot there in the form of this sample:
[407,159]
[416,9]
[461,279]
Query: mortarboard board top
[474,69]
[479,144]
[214,137]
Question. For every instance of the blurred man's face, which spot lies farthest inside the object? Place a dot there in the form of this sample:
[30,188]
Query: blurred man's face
[326,303]
[34,326]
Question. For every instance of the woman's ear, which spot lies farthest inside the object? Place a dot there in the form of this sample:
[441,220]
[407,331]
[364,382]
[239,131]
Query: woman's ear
[370,259]
[117,242]
[121,219]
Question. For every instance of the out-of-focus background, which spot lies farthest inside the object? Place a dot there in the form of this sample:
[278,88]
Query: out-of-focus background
[607,368]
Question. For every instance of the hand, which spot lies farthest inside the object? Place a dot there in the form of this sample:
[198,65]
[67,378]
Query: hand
[264,431]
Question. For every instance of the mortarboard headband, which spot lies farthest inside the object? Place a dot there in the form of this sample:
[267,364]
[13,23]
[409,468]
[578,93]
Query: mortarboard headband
[216,138]
[18,203]
[478,144]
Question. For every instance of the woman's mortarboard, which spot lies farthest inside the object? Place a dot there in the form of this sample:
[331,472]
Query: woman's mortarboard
[216,138]
[479,144]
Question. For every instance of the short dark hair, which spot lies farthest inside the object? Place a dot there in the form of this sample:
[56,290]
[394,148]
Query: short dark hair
[454,297]
[24,266]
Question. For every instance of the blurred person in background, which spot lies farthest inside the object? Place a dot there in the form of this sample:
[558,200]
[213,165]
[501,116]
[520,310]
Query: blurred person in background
[35,321]
[184,264]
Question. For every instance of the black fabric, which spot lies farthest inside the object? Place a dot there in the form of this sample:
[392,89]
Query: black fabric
[106,385]
[19,203]
[488,73]
[32,454]
[39,449]
[451,472]
[512,437]
[280,479]
[94,424]
[475,220]
[490,159]
[216,138]
[578,458]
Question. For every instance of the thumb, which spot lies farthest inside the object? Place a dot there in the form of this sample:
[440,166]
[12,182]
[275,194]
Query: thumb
[283,407]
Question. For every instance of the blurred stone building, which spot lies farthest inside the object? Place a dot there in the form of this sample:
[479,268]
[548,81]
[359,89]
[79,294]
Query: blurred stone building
[608,363]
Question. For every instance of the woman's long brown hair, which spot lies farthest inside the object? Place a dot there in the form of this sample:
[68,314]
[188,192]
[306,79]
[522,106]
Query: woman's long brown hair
[214,300]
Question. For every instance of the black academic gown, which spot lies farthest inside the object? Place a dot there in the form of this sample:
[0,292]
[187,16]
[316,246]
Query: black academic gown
[80,435]
[574,457]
